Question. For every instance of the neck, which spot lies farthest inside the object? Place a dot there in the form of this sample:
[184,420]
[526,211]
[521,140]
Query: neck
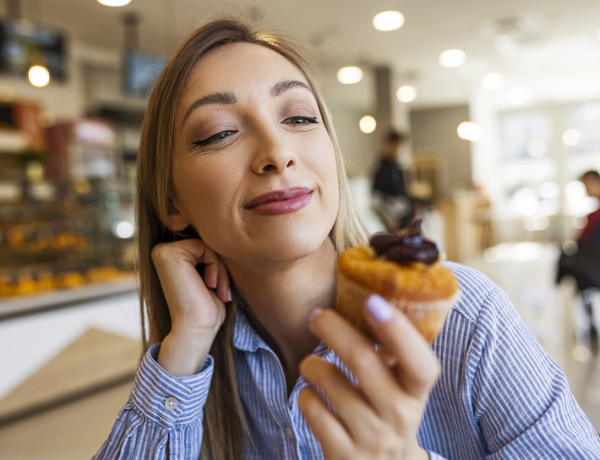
[281,295]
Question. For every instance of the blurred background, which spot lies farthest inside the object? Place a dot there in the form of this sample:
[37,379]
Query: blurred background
[481,116]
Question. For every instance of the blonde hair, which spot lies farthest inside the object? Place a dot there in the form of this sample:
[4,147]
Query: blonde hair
[224,420]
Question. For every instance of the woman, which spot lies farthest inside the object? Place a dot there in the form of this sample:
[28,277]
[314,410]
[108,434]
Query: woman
[240,174]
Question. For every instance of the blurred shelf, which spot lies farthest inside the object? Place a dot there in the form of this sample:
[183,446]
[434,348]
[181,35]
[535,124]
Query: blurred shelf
[62,298]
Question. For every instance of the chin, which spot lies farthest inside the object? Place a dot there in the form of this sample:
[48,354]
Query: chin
[289,246]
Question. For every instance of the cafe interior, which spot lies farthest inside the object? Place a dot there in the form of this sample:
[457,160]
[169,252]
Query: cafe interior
[498,105]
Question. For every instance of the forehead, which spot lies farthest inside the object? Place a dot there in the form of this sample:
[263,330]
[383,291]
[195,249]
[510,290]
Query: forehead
[238,68]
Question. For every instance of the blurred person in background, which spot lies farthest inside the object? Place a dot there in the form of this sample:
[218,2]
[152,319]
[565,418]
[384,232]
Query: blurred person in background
[591,231]
[390,199]
[243,207]
[582,260]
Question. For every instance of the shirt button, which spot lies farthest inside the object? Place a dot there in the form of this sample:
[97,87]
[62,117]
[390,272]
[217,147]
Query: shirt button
[289,433]
[171,403]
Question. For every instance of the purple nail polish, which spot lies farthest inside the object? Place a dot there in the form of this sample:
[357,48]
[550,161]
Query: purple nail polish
[228,294]
[379,309]
[314,313]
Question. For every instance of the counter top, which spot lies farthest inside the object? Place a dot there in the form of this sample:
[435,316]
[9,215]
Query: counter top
[62,298]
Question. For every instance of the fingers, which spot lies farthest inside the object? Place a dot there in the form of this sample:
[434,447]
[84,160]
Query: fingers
[417,367]
[196,252]
[351,407]
[375,380]
[334,439]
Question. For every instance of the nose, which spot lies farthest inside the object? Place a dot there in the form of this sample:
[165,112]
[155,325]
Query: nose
[273,153]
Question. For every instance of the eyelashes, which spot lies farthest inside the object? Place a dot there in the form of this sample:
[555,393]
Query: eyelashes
[219,137]
[222,135]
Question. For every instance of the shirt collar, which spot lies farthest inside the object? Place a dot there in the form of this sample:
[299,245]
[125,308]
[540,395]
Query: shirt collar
[245,338]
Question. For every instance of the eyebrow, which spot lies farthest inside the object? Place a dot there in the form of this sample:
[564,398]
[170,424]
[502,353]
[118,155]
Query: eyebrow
[228,98]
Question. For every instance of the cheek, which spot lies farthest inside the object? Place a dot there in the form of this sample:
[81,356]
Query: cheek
[205,191]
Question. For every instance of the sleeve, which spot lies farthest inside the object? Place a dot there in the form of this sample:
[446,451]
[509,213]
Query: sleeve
[434,456]
[163,417]
[520,397]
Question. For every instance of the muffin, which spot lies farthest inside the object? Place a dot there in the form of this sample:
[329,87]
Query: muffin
[404,268]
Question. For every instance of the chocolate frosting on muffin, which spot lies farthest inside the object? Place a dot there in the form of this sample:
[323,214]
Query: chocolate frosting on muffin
[406,246]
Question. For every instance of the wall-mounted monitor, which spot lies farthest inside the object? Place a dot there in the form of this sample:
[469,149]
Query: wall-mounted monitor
[141,71]
[24,44]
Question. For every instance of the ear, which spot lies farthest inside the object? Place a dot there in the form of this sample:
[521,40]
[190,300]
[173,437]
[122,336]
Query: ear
[177,221]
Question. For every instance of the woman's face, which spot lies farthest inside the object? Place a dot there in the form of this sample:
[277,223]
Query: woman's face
[253,167]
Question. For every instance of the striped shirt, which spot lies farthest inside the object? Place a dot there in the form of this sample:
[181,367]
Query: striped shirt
[499,395]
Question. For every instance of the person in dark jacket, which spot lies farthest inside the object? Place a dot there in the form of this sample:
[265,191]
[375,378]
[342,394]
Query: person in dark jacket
[582,261]
[591,231]
[389,192]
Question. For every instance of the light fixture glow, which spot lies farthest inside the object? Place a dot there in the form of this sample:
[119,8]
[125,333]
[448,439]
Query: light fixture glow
[549,190]
[571,137]
[124,230]
[493,81]
[388,20]
[518,96]
[537,148]
[406,93]
[581,353]
[469,131]
[367,124]
[453,58]
[114,3]
[349,75]
[39,76]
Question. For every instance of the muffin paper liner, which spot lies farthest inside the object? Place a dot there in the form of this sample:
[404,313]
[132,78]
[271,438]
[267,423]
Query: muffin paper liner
[427,316]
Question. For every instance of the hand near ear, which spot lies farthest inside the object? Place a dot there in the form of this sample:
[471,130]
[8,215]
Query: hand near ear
[197,306]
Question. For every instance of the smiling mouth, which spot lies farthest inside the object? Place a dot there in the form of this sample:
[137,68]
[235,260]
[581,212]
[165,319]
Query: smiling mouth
[280,201]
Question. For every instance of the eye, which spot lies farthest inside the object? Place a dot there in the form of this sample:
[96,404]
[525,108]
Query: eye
[215,138]
[300,121]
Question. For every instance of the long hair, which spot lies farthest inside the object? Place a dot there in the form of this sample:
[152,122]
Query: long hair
[224,420]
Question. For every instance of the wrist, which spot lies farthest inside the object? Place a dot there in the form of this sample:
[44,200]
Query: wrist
[182,355]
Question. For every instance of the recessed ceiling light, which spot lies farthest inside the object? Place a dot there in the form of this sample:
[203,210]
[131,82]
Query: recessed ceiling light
[469,131]
[39,76]
[367,124]
[406,93]
[114,2]
[493,81]
[571,137]
[349,75]
[537,148]
[453,58]
[388,20]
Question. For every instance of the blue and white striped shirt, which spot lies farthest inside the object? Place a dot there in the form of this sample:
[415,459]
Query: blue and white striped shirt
[499,396]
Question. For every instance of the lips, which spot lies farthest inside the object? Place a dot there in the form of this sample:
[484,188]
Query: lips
[280,201]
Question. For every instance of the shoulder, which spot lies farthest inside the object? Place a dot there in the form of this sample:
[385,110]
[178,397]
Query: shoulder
[476,290]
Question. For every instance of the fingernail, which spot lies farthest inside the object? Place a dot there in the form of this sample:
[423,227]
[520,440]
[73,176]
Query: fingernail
[228,294]
[379,309]
[216,280]
[314,313]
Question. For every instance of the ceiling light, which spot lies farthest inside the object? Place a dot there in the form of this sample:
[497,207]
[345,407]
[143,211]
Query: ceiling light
[571,137]
[124,230]
[406,93]
[114,2]
[493,81]
[581,353]
[39,76]
[349,75]
[367,124]
[469,131]
[388,20]
[536,148]
[452,58]
[518,96]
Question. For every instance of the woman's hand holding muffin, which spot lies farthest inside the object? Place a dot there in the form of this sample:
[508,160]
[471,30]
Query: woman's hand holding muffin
[196,306]
[379,418]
